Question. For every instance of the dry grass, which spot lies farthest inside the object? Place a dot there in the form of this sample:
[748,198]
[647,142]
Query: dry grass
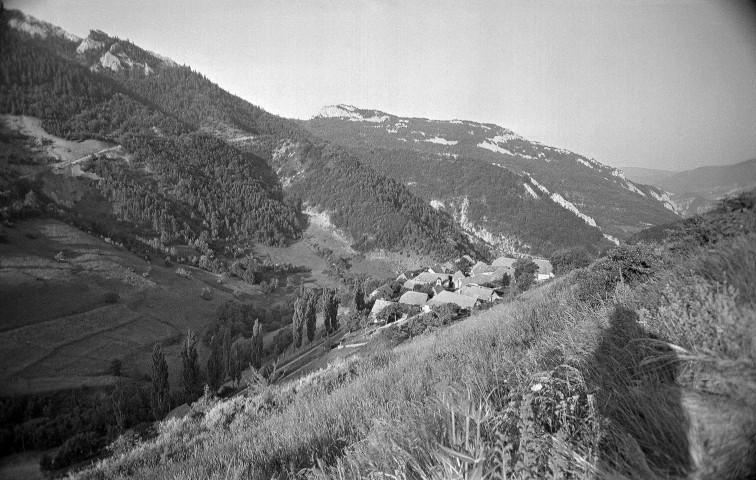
[652,379]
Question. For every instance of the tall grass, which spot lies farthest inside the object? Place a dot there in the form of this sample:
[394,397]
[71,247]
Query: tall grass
[641,366]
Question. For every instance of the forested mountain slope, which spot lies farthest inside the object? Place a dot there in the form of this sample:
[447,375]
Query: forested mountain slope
[518,190]
[199,161]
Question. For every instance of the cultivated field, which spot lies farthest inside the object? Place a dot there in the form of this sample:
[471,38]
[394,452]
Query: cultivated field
[58,331]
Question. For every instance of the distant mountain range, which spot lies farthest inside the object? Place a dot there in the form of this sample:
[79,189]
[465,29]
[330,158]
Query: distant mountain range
[516,193]
[697,190]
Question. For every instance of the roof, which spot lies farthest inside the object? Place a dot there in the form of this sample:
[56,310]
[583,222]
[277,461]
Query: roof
[479,268]
[378,306]
[500,271]
[544,266]
[481,293]
[477,280]
[428,277]
[438,289]
[405,275]
[385,289]
[410,284]
[504,262]
[437,269]
[414,298]
[463,301]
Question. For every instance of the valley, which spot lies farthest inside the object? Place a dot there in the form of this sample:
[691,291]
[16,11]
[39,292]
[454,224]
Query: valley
[194,287]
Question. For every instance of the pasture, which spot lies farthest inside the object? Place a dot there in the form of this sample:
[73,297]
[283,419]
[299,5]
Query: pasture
[58,331]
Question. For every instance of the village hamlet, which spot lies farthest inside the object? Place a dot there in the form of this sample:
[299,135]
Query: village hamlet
[462,283]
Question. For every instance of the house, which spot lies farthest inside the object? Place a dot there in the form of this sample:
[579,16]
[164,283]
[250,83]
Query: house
[414,298]
[481,293]
[462,301]
[438,289]
[405,275]
[437,269]
[480,267]
[500,271]
[378,307]
[504,262]
[476,280]
[456,278]
[410,284]
[428,277]
[382,291]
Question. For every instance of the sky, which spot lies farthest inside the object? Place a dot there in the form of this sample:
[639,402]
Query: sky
[667,84]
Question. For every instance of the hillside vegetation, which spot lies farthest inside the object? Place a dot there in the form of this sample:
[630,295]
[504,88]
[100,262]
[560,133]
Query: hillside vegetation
[197,163]
[493,180]
[639,366]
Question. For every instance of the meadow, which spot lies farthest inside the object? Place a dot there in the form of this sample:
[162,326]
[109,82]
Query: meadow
[59,330]
[639,366]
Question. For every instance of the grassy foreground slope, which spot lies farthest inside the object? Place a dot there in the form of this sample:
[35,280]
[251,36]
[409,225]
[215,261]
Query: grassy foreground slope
[640,366]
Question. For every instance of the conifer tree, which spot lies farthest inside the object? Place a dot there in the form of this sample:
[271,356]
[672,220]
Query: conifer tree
[159,399]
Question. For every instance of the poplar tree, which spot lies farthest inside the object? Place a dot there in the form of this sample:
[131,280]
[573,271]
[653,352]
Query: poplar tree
[191,374]
[215,363]
[311,315]
[159,400]
[257,344]
[358,295]
[237,359]
[330,306]
[297,320]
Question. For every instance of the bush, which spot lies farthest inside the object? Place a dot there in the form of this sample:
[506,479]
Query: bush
[631,264]
[115,367]
[525,273]
[206,294]
[112,297]
[568,259]
[355,320]
[77,448]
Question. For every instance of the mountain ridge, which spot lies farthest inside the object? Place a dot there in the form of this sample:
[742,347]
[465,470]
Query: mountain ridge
[570,180]
[698,189]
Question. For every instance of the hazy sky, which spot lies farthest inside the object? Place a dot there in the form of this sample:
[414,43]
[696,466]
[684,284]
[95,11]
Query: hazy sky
[653,83]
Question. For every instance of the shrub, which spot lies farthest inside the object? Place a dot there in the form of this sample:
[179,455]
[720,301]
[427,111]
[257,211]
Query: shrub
[206,294]
[77,448]
[112,297]
[115,367]
[524,272]
[568,259]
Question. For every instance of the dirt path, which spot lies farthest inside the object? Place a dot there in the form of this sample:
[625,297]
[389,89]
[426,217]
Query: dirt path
[69,163]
